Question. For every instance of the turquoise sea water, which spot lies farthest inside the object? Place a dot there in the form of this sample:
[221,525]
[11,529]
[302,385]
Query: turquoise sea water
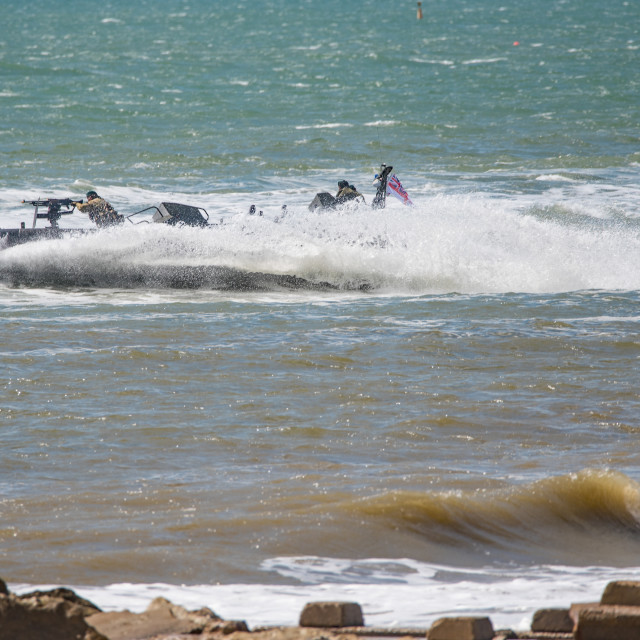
[459,435]
[210,96]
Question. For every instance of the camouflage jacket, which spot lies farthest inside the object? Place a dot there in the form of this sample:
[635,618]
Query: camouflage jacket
[347,193]
[101,212]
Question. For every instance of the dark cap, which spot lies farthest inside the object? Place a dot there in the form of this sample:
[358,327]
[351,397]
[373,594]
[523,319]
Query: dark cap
[92,194]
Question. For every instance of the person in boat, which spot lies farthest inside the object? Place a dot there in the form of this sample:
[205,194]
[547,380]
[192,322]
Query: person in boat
[99,210]
[347,192]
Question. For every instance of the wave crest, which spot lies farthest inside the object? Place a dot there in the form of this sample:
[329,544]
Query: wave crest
[560,519]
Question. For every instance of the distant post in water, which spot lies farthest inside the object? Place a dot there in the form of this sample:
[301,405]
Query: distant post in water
[419,10]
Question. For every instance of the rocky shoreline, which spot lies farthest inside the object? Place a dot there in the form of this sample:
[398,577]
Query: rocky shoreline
[60,614]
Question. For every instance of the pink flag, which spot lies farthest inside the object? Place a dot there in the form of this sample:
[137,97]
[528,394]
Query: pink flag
[394,186]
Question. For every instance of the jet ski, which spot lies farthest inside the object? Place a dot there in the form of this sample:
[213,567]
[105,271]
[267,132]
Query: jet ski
[347,193]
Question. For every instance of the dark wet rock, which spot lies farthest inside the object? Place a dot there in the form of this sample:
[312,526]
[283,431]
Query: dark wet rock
[65,594]
[43,618]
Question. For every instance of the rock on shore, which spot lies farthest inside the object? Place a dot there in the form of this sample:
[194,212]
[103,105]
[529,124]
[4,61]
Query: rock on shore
[60,614]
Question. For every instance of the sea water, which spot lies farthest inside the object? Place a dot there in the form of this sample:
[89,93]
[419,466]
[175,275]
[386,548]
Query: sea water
[439,416]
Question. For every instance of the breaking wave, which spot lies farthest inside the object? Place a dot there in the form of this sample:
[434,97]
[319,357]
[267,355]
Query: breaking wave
[588,518]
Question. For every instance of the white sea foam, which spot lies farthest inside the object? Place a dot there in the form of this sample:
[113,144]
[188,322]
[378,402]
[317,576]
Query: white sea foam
[380,123]
[555,177]
[484,60]
[568,238]
[328,125]
[446,63]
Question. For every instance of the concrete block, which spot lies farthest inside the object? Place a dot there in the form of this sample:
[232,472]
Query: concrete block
[624,592]
[577,607]
[331,614]
[608,622]
[552,621]
[461,628]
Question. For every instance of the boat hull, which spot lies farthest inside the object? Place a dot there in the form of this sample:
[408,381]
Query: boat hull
[12,237]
